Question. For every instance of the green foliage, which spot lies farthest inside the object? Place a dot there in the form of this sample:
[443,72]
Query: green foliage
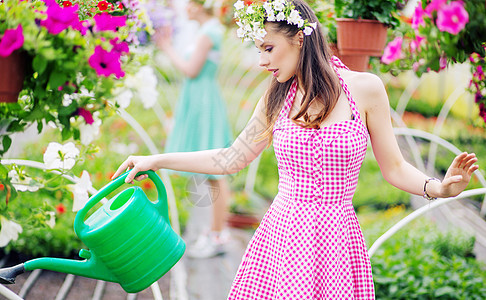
[383,11]
[33,210]
[421,262]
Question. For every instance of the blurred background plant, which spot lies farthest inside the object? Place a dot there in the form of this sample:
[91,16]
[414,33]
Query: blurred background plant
[83,62]
[441,33]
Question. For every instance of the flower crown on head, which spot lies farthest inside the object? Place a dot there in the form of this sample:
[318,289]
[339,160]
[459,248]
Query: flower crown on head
[251,18]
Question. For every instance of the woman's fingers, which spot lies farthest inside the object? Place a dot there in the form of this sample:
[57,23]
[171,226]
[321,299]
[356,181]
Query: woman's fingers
[122,168]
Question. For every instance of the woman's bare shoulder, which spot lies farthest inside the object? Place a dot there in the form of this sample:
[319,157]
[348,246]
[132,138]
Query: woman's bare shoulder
[367,88]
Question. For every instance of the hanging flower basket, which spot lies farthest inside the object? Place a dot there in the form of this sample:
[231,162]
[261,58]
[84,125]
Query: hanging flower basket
[361,37]
[12,76]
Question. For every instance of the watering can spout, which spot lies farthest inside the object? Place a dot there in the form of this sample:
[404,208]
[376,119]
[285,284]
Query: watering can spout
[89,267]
[8,275]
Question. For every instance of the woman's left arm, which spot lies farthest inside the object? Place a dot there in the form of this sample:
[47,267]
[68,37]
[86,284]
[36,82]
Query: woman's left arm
[395,169]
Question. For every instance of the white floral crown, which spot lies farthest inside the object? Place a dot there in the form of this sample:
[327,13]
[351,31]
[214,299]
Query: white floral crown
[251,18]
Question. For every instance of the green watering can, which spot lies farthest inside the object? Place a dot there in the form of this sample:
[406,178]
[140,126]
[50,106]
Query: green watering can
[130,240]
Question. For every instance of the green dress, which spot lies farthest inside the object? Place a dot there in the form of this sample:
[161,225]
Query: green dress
[201,120]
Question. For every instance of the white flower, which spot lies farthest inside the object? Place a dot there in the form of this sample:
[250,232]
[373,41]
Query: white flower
[308,30]
[271,15]
[294,17]
[86,93]
[250,10]
[59,156]
[88,132]
[67,99]
[280,16]
[52,219]
[279,5]
[300,22]
[240,32]
[9,231]
[22,182]
[314,25]
[144,82]
[239,5]
[267,6]
[260,34]
[80,191]
[123,99]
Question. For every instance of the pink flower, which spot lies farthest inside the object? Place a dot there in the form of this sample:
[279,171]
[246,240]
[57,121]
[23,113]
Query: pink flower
[121,47]
[12,40]
[415,44]
[452,17]
[105,21]
[59,19]
[82,26]
[479,73]
[418,17]
[435,5]
[442,63]
[393,51]
[86,114]
[106,63]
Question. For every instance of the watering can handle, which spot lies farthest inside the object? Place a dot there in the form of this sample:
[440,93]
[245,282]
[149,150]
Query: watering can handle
[161,203]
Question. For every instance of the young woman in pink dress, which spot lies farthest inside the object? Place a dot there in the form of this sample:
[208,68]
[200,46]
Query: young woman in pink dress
[319,116]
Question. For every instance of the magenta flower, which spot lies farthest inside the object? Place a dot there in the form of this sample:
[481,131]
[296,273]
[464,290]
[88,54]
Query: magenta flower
[415,44]
[12,40]
[442,63]
[418,17]
[106,63]
[393,51]
[121,47]
[452,17]
[479,74]
[86,114]
[105,22]
[435,5]
[59,18]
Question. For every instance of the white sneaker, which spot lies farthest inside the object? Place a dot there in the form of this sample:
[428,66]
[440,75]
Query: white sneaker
[207,246]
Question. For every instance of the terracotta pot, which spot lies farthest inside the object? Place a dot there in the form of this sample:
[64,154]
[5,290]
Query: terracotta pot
[361,36]
[242,221]
[11,76]
[356,62]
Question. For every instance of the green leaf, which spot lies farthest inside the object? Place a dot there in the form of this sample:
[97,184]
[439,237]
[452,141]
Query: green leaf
[57,79]
[445,290]
[39,64]
[6,143]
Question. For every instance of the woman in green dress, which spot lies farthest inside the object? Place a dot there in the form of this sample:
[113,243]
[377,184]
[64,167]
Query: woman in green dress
[201,121]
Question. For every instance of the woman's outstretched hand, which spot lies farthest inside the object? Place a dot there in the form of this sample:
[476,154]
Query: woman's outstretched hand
[458,175]
[136,164]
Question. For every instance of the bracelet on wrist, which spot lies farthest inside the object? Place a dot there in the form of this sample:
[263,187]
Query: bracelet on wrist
[426,195]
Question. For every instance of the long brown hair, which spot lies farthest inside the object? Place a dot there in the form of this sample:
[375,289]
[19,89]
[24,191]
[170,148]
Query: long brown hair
[320,82]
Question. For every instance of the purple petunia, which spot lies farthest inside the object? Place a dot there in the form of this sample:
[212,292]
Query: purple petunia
[12,40]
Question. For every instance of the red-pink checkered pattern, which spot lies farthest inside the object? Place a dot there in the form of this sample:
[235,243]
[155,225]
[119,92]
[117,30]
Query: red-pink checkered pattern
[309,244]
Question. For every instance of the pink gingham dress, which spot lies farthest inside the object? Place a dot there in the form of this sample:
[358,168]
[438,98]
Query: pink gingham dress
[309,244]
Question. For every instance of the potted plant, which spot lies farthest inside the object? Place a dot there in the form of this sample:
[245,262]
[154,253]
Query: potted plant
[242,212]
[362,28]
[440,33]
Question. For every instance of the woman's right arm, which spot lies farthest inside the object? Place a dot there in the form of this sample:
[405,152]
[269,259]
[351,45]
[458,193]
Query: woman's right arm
[192,66]
[216,161]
